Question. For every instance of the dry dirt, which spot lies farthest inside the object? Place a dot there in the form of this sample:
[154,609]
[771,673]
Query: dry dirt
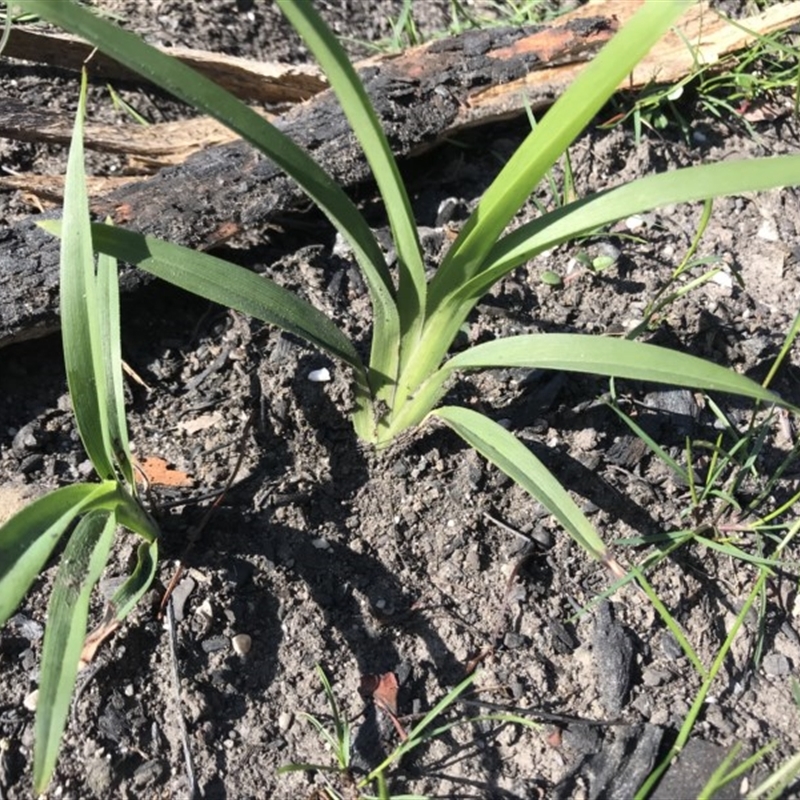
[324,552]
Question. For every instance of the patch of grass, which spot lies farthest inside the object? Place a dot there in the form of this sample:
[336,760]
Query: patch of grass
[731,90]
[462,17]
[337,738]
[415,320]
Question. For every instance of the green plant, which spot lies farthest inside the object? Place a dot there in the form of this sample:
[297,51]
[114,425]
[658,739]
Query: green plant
[414,321]
[708,677]
[90,325]
[726,90]
[337,738]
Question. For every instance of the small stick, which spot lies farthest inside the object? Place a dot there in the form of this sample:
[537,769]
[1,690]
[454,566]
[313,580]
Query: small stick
[176,685]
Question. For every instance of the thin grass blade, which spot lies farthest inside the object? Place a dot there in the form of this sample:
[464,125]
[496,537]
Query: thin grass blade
[417,733]
[85,556]
[84,357]
[367,127]
[507,453]
[29,537]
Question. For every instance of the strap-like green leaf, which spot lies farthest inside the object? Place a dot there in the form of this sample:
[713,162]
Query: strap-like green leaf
[619,358]
[548,141]
[108,309]
[80,321]
[204,95]
[126,597]
[507,453]
[28,538]
[224,283]
[367,127]
[80,568]
[589,214]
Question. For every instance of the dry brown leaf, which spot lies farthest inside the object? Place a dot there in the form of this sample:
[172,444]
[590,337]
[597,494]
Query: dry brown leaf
[157,472]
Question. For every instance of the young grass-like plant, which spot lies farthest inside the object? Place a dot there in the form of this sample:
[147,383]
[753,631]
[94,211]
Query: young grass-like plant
[415,321]
[433,724]
[90,330]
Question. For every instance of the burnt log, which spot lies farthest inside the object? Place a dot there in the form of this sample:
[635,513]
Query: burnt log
[421,96]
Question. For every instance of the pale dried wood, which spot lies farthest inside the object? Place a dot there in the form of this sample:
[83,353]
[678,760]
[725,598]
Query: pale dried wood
[257,82]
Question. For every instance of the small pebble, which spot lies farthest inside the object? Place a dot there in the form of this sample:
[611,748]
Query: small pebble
[634,222]
[147,773]
[241,644]
[655,677]
[285,720]
[776,664]
[319,375]
[670,647]
[214,643]
[512,640]
[31,700]
[724,279]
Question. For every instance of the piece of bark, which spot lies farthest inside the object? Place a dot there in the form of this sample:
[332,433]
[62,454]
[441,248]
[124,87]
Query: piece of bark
[231,187]
[255,82]
[47,191]
[422,96]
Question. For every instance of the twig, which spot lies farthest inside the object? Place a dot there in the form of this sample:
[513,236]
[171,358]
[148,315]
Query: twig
[176,685]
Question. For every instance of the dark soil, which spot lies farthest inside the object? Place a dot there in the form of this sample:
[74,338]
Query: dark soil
[419,559]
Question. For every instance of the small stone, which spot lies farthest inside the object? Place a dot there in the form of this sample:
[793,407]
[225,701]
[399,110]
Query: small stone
[776,664]
[768,231]
[285,720]
[31,700]
[319,375]
[634,222]
[241,644]
[147,773]
[723,279]
[655,677]
[513,640]
[670,646]
[180,596]
[213,644]
[321,544]
[24,439]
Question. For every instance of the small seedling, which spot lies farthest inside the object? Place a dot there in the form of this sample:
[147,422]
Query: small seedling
[337,738]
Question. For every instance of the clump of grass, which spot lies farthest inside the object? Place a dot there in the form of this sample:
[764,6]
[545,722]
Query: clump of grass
[400,386]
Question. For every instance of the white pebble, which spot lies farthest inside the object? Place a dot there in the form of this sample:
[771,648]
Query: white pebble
[319,375]
[241,644]
[285,720]
[723,278]
[634,222]
[31,700]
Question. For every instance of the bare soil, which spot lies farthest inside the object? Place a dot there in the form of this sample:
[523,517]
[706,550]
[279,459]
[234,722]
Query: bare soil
[420,559]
